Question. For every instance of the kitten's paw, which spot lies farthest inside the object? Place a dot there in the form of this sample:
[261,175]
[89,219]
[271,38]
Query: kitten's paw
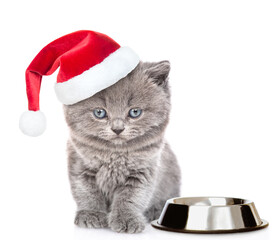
[126,222]
[91,219]
[153,212]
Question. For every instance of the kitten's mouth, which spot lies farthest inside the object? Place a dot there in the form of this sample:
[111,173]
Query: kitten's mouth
[118,140]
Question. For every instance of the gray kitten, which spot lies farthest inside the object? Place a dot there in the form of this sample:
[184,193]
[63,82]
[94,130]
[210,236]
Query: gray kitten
[121,169]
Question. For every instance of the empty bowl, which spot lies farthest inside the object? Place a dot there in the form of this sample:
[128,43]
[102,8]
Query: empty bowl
[209,215]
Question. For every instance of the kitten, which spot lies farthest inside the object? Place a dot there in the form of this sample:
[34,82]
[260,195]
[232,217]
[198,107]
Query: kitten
[121,169]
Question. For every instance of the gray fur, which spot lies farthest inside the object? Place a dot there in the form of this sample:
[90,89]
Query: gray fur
[122,181]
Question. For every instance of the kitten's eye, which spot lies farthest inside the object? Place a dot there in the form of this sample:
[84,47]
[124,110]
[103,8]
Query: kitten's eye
[135,112]
[99,113]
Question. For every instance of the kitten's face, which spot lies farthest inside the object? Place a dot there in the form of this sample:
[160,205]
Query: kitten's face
[135,108]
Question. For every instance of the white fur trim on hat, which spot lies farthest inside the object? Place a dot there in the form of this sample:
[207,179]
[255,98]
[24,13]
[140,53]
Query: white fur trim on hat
[114,67]
[32,123]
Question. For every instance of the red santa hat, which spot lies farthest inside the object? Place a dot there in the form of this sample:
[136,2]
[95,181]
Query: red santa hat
[89,62]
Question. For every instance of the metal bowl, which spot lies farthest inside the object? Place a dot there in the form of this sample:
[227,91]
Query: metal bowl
[209,215]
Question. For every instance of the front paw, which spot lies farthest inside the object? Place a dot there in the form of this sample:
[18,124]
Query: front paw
[125,221]
[91,219]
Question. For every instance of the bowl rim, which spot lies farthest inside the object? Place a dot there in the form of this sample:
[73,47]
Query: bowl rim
[264,224]
[245,201]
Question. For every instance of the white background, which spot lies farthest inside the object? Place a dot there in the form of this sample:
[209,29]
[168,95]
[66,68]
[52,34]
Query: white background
[224,94]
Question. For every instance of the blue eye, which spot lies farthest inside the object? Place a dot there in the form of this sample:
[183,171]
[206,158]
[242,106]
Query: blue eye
[135,112]
[99,113]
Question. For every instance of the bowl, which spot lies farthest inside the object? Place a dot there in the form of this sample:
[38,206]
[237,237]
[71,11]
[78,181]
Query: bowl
[209,215]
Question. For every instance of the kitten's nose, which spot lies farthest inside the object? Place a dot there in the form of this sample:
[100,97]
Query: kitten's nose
[117,125]
[118,131]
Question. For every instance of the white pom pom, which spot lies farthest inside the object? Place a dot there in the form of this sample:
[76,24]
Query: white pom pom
[32,123]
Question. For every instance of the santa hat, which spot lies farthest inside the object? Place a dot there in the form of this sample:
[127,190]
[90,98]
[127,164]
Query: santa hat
[89,62]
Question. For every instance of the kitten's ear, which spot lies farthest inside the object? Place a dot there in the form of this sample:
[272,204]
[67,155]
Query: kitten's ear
[158,72]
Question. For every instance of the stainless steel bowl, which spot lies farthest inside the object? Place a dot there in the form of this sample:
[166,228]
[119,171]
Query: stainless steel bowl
[209,215]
